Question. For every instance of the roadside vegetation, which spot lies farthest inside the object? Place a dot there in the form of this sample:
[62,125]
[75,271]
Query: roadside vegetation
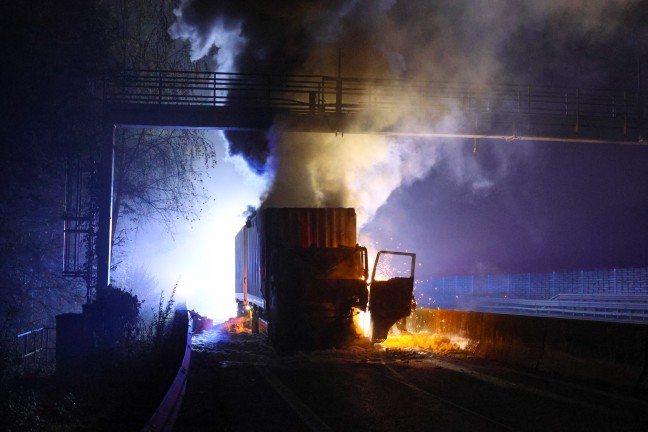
[117,385]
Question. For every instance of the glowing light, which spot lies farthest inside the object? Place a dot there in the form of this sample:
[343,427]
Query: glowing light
[362,322]
[184,288]
[202,254]
[237,325]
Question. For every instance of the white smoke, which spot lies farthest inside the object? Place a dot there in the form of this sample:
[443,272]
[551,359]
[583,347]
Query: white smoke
[350,170]
[219,38]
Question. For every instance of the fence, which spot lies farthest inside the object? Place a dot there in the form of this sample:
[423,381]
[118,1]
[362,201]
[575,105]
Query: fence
[604,294]
[37,347]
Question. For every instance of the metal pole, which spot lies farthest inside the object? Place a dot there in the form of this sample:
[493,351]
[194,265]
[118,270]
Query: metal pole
[105,202]
[245,267]
[338,90]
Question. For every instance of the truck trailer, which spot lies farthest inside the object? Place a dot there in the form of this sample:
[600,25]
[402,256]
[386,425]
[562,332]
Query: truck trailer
[302,277]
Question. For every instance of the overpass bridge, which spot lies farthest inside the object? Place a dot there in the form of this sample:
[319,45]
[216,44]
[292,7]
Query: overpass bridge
[320,103]
[336,104]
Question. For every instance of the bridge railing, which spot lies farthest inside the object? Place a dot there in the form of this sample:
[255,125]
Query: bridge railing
[326,94]
[215,89]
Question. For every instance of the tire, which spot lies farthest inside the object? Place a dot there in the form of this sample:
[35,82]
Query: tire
[255,319]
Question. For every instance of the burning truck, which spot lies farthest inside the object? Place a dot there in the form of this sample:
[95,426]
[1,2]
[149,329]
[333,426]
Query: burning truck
[302,277]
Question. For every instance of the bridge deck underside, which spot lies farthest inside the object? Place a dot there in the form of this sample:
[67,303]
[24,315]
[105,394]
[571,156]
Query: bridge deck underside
[416,122]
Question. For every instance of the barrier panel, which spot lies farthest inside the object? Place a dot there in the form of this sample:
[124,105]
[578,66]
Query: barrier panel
[609,352]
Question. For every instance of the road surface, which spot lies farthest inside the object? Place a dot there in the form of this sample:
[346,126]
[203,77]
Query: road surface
[237,382]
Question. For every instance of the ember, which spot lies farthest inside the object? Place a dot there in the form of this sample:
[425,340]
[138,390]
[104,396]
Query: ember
[237,325]
[362,322]
[421,341]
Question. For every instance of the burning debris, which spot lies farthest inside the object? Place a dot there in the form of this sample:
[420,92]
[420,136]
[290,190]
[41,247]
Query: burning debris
[436,343]
[200,323]
[237,325]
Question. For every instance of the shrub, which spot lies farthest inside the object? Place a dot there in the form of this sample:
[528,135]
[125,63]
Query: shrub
[112,318]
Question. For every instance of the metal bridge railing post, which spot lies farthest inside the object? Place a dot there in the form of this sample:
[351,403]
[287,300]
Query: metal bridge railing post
[577,126]
[46,345]
[214,87]
[625,113]
[312,99]
[159,87]
[322,95]
[338,96]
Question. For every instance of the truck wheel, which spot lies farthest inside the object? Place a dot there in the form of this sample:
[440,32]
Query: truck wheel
[240,309]
[379,329]
[275,325]
[255,319]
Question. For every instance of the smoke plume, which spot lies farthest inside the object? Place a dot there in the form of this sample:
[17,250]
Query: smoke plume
[475,42]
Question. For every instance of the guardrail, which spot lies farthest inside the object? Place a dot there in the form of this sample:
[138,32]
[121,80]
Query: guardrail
[625,298]
[165,415]
[609,309]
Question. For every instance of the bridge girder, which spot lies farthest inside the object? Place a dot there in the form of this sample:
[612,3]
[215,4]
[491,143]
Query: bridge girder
[514,127]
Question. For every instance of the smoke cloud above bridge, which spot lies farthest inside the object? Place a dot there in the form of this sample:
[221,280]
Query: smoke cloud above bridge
[595,44]
[461,41]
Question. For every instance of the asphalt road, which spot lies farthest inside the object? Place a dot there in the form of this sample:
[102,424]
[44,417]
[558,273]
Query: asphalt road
[237,382]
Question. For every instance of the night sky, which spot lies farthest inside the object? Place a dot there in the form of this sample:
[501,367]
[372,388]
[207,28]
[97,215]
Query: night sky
[512,206]
[564,207]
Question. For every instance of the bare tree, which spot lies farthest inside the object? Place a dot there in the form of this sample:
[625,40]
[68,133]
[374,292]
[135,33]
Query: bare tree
[159,176]
[158,172]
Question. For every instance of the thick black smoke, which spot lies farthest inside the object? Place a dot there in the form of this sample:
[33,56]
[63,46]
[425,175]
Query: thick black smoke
[464,40]
[598,43]
[267,37]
